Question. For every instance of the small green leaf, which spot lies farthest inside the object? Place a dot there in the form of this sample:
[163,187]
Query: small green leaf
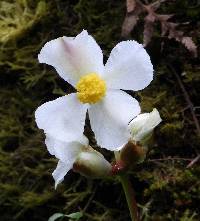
[75,216]
[55,216]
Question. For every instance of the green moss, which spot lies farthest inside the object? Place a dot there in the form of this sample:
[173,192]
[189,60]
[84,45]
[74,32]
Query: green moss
[30,199]
[18,17]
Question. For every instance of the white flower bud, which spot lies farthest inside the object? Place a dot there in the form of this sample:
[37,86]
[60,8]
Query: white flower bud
[91,163]
[141,126]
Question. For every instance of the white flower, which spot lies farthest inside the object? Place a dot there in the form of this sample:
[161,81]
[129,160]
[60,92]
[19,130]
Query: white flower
[66,152]
[77,155]
[79,61]
[141,126]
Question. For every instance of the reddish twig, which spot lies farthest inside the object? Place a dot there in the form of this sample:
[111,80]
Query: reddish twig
[187,98]
[196,159]
[170,158]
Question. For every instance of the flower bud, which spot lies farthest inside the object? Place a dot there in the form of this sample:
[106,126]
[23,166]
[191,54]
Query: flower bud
[131,154]
[91,163]
[142,126]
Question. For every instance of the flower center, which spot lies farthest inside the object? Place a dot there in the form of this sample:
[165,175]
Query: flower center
[91,88]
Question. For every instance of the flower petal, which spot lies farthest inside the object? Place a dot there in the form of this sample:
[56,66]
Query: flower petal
[60,171]
[63,118]
[65,151]
[128,67]
[73,57]
[109,119]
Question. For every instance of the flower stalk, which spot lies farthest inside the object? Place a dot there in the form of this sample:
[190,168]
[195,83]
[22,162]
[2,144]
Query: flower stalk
[130,197]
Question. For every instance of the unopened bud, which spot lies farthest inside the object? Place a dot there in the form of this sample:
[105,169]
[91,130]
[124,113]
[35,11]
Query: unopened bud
[142,126]
[91,163]
[131,154]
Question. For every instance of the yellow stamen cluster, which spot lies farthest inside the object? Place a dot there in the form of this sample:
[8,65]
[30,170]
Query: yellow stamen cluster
[91,88]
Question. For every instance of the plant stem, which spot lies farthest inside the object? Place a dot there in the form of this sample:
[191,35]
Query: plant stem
[130,197]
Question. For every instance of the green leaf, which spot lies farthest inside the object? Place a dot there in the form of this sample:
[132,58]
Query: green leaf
[55,216]
[75,216]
